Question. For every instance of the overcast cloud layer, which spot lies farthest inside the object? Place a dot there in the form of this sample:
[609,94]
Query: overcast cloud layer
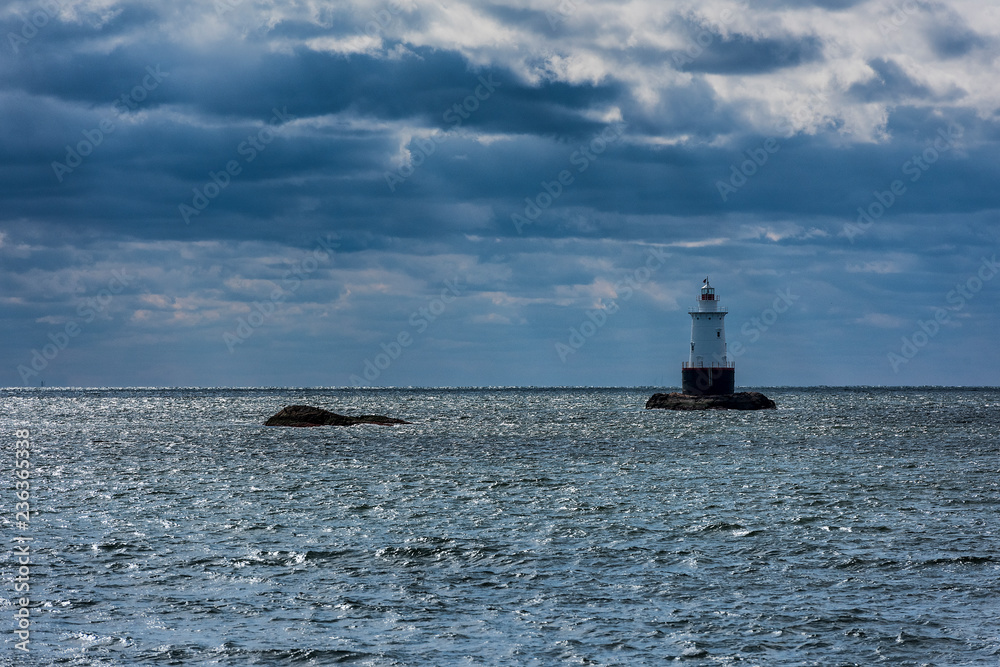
[305,193]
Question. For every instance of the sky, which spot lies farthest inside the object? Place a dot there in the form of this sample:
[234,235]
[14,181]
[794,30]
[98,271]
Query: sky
[520,192]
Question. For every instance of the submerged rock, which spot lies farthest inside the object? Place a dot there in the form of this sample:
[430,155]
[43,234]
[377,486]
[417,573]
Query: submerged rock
[306,415]
[746,400]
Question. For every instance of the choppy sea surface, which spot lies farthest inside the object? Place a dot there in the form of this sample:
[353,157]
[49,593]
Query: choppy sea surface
[856,526]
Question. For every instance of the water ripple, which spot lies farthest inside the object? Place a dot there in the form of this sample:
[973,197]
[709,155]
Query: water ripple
[509,526]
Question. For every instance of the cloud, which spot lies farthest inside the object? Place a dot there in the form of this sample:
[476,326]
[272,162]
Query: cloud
[744,54]
[414,131]
[951,37]
[890,83]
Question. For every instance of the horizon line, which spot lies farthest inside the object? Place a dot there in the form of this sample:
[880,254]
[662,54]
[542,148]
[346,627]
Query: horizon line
[454,387]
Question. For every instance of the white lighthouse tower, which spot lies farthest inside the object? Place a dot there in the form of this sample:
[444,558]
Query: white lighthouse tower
[708,372]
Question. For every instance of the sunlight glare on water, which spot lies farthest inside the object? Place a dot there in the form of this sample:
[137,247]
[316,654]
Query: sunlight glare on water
[512,526]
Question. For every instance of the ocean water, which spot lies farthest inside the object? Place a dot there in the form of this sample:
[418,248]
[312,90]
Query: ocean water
[854,526]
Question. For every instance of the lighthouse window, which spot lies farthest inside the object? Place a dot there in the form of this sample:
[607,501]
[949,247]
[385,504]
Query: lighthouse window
[718,333]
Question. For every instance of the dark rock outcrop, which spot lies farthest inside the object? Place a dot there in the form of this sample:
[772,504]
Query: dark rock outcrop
[747,400]
[305,415]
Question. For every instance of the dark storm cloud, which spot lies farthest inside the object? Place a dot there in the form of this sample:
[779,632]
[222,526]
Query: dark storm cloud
[951,39]
[241,84]
[39,27]
[689,108]
[550,108]
[286,183]
[181,155]
[744,54]
[890,83]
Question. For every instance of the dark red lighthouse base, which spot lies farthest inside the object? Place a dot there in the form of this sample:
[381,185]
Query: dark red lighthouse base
[715,381]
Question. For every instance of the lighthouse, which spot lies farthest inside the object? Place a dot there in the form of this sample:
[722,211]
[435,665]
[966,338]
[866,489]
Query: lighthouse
[708,372]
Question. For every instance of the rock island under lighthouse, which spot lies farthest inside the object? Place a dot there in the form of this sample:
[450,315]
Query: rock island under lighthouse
[708,372]
[708,378]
